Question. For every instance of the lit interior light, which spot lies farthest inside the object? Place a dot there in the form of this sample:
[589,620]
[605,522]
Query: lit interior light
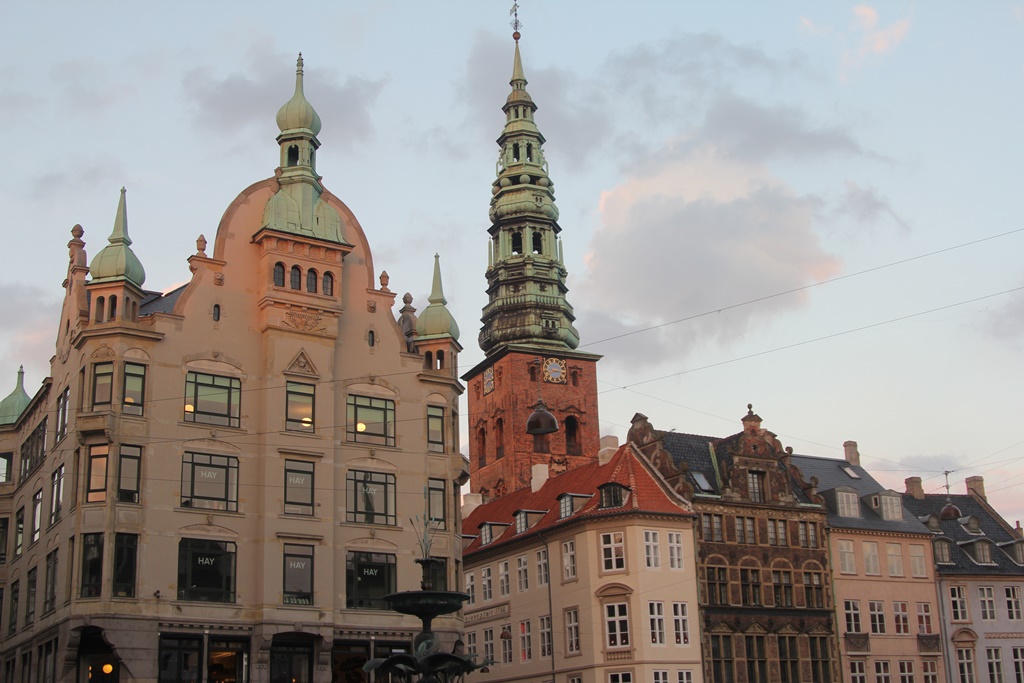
[360,426]
[108,668]
[129,399]
[307,422]
[189,408]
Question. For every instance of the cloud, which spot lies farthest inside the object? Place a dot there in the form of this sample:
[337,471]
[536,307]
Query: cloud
[867,38]
[87,179]
[866,206]
[810,27]
[1006,322]
[28,338]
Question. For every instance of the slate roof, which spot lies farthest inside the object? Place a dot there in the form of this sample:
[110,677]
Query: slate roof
[648,494]
[155,302]
[831,475]
[993,527]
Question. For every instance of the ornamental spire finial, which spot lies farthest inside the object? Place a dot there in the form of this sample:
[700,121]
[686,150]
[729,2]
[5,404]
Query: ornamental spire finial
[515,23]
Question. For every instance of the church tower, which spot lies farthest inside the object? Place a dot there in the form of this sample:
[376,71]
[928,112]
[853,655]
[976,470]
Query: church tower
[527,331]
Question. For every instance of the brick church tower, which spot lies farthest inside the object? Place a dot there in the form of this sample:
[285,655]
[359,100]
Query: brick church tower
[527,331]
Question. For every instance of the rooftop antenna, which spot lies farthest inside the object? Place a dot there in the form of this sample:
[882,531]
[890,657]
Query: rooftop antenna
[947,473]
[515,23]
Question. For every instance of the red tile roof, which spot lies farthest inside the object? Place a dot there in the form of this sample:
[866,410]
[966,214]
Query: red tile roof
[648,494]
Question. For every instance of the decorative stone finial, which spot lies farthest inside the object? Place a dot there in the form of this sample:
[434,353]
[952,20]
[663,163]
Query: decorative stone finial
[384,280]
[201,245]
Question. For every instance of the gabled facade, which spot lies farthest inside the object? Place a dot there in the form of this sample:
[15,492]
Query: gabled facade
[216,483]
[585,577]
[766,594]
[979,563]
[883,575]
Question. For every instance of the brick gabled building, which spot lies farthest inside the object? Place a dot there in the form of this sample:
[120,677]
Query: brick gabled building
[766,598]
[584,577]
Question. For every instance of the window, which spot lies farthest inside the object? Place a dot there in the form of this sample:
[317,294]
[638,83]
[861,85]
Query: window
[755,487]
[92,565]
[525,641]
[930,671]
[652,549]
[12,615]
[611,495]
[63,401]
[4,527]
[757,660]
[1013,611]
[942,552]
[684,676]
[50,583]
[565,508]
[485,583]
[542,567]
[983,552]
[808,534]
[471,588]
[37,515]
[545,636]
[852,610]
[96,491]
[717,586]
[901,616]
[371,420]
[206,570]
[298,574]
[298,487]
[711,527]
[906,671]
[918,566]
[613,555]
[782,588]
[620,677]
[33,449]
[471,642]
[656,614]
[616,622]
[5,466]
[857,674]
[102,384]
[572,632]
[523,573]
[924,618]
[876,610]
[435,429]
[489,644]
[295,278]
[872,565]
[209,481]
[965,664]
[568,560]
[986,596]
[134,389]
[892,509]
[371,498]
[994,659]
[821,667]
[129,467]
[125,561]
[279,274]
[750,586]
[680,623]
[882,674]
[30,595]
[721,659]
[503,582]
[328,289]
[894,559]
[675,550]
[212,399]
[1018,664]
[848,504]
[522,522]
[300,409]
[312,280]
[19,531]
[958,603]
[789,659]
[745,530]
[506,646]
[56,496]
[661,677]
[847,558]
[777,532]
[814,591]
[436,503]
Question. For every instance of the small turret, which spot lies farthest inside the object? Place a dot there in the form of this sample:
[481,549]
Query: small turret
[117,261]
[14,405]
[437,333]
[297,114]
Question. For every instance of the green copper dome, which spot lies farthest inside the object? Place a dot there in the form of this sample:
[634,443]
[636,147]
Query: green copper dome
[14,405]
[117,261]
[297,113]
[436,321]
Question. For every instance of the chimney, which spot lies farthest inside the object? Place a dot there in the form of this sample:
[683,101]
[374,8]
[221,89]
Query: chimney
[976,486]
[539,475]
[470,502]
[609,445]
[1017,530]
[914,487]
[851,452]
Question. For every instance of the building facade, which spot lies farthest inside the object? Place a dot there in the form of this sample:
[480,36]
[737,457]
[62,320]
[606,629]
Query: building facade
[883,576]
[766,594]
[527,333]
[215,484]
[979,564]
[585,577]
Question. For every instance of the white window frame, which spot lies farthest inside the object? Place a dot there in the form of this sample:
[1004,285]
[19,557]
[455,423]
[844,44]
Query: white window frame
[543,570]
[847,558]
[503,579]
[1013,611]
[680,623]
[847,504]
[652,549]
[569,560]
[872,564]
[675,550]
[616,625]
[523,573]
[894,559]
[613,551]
[987,602]
[918,566]
[656,621]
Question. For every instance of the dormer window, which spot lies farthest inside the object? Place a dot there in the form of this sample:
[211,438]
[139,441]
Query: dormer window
[942,552]
[971,526]
[565,507]
[486,535]
[847,504]
[849,472]
[892,509]
[982,552]
[522,524]
[755,487]
[612,495]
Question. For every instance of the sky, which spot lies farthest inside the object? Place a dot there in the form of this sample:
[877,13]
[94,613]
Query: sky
[811,207]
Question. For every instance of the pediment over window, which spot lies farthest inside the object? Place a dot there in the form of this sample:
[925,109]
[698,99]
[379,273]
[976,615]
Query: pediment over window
[613,590]
[302,366]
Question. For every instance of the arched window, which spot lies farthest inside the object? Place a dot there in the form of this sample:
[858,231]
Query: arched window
[113,308]
[293,155]
[537,243]
[517,243]
[572,436]
[529,152]
[515,152]
[296,282]
[533,373]
[481,447]
[100,304]
[440,360]
[312,278]
[499,438]
[328,284]
[371,338]
[279,274]
[428,360]
[216,312]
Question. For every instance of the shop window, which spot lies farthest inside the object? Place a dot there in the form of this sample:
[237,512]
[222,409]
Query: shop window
[371,498]
[368,578]
[92,565]
[298,574]
[371,420]
[298,487]
[212,399]
[209,482]
[206,570]
[300,407]
[126,548]
[179,659]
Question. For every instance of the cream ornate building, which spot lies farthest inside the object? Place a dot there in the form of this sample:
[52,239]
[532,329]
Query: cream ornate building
[215,484]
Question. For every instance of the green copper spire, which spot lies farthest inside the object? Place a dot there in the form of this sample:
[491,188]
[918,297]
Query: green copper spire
[297,113]
[117,261]
[436,321]
[14,405]
[525,275]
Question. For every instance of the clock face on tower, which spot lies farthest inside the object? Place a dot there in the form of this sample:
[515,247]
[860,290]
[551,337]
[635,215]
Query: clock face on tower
[488,380]
[554,371]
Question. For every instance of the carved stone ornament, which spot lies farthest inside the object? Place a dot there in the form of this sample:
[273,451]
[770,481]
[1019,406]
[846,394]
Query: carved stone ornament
[103,352]
[218,279]
[306,322]
[384,280]
[201,246]
[371,306]
[302,365]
